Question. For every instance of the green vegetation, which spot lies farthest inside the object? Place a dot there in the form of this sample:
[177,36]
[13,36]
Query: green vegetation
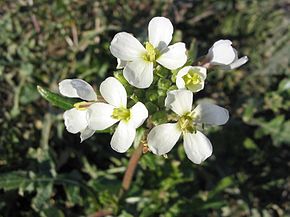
[45,171]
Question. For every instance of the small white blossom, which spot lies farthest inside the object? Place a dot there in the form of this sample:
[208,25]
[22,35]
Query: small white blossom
[138,61]
[223,54]
[198,148]
[104,115]
[191,78]
[75,119]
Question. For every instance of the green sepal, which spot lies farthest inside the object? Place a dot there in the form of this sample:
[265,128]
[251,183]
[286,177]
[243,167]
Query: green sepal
[139,135]
[120,77]
[56,99]
[161,72]
[108,130]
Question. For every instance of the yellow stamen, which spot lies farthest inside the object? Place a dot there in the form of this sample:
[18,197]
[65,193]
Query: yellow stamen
[82,105]
[186,123]
[192,79]
[151,53]
[122,114]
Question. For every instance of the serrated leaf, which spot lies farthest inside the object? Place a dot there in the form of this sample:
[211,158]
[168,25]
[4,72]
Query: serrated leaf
[14,180]
[56,99]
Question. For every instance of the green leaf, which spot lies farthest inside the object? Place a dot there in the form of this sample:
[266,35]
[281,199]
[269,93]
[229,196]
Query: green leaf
[213,205]
[221,185]
[148,161]
[14,180]
[56,99]
[192,52]
[250,144]
[73,194]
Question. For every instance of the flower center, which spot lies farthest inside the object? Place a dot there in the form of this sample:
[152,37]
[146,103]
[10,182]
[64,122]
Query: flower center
[151,53]
[82,105]
[122,114]
[192,78]
[186,123]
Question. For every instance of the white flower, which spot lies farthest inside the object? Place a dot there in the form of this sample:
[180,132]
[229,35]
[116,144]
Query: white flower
[104,115]
[120,64]
[162,138]
[191,78]
[139,61]
[223,54]
[75,119]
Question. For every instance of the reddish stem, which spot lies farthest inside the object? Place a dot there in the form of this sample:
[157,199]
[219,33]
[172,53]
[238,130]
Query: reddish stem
[127,179]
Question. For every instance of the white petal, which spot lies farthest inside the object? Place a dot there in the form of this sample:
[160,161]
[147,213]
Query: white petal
[174,56]
[126,47]
[113,92]
[139,113]
[100,116]
[139,73]
[75,120]
[162,138]
[202,71]
[221,53]
[77,88]
[211,114]
[123,137]
[236,64]
[121,63]
[180,82]
[197,147]
[160,32]
[86,133]
[197,87]
[179,101]
[236,55]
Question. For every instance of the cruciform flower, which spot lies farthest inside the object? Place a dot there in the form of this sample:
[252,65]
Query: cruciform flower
[75,119]
[104,115]
[198,148]
[191,78]
[223,54]
[138,62]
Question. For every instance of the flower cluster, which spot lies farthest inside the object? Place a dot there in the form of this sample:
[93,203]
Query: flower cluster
[140,65]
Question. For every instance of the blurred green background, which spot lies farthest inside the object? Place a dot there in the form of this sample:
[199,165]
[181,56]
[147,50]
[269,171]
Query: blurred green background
[45,171]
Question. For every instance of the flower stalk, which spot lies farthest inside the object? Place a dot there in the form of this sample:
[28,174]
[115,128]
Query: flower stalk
[133,162]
